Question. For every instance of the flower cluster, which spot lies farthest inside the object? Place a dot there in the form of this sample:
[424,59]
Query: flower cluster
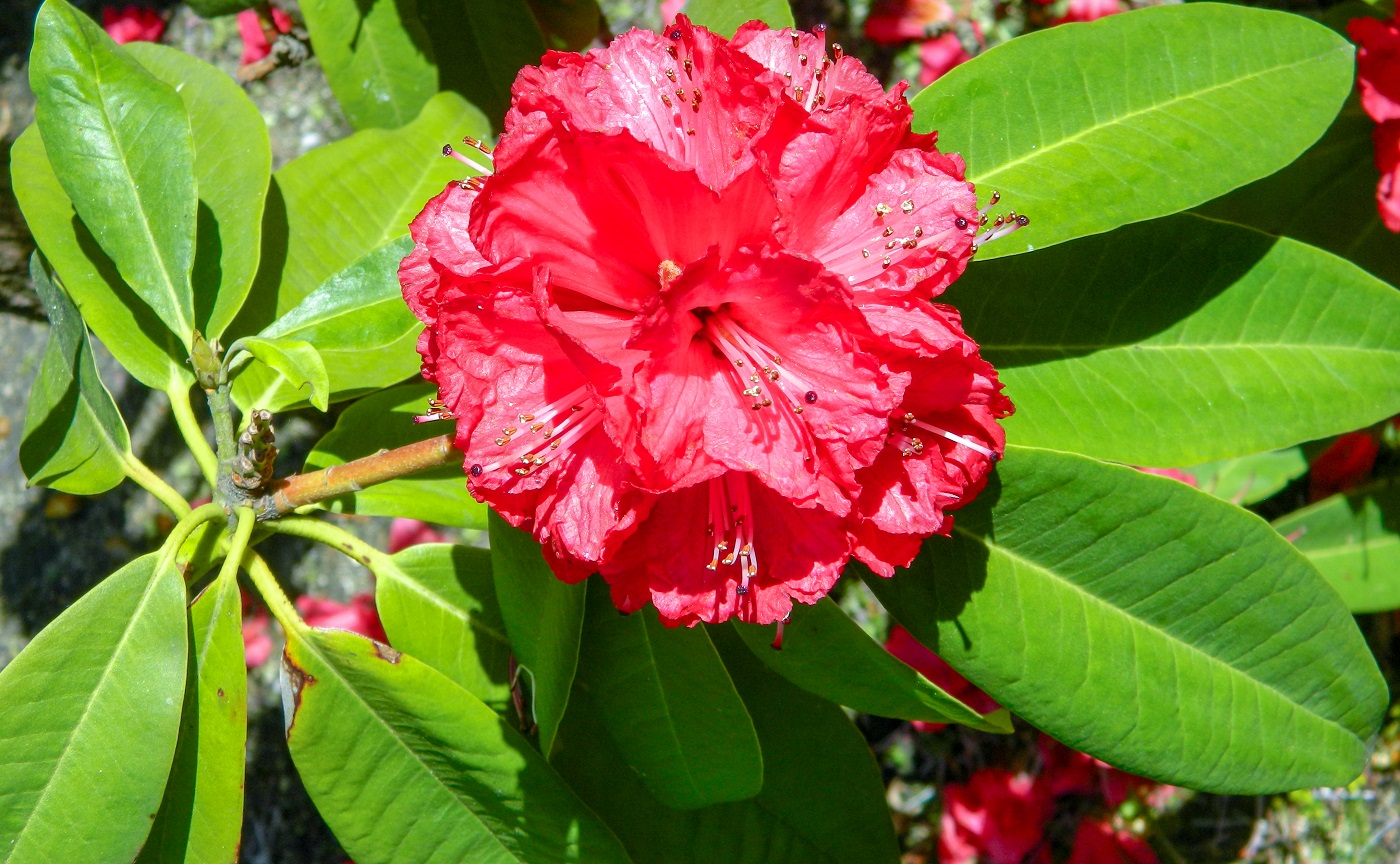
[1378,76]
[685,322]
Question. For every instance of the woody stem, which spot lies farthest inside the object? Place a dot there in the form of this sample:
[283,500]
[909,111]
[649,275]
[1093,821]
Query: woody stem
[301,489]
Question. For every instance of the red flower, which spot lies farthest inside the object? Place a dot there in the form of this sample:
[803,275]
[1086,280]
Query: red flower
[1097,843]
[995,818]
[1088,10]
[1173,473]
[1387,140]
[1343,465]
[357,616]
[894,21]
[255,43]
[132,24]
[939,55]
[1377,66]
[685,326]
[1069,772]
[902,644]
[257,641]
[404,533]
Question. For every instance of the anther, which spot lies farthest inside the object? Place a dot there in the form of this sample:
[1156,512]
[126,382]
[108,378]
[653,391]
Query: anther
[797,92]
[801,58]
[882,210]
[688,66]
[887,232]
[907,206]
[671,73]
[796,40]
[836,50]
[475,470]
[960,222]
[810,397]
[675,35]
[666,100]
[865,253]
[886,263]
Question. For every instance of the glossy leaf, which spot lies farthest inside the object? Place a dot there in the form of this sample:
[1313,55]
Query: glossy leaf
[74,438]
[1250,479]
[822,800]
[438,603]
[1354,541]
[1184,340]
[480,48]
[92,712]
[201,818]
[827,654]
[667,701]
[232,163]
[567,25]
[125,324]
[364,332]
[408,768]
[215,8]
[338,203]
[120,142]
[1337,176]
[297,362]
[725,16]
[385,421]
[377,57]
[1136,116]
[1191,643]
[544,620]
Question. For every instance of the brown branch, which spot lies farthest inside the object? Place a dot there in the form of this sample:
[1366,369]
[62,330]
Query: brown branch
[301,489]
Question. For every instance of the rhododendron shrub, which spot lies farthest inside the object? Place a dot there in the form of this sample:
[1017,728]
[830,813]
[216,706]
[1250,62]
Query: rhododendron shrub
[662,357]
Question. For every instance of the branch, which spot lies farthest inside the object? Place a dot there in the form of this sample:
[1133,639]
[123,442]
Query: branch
[299,490]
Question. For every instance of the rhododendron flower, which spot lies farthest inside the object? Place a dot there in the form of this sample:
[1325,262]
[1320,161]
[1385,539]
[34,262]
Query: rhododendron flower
[939,55]
[894,21]
[1088,10]
[132,24]
[357,616]
[257,638]
[404,533]
[1069,772]
[1378,78]
[1387,140]
[1173,473]
[995,818]
[1097,842]
[255,43]
[686,327]
[902,644]
[1343,465]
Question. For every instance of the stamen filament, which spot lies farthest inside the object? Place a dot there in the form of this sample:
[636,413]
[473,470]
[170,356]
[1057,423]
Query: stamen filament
[951,436]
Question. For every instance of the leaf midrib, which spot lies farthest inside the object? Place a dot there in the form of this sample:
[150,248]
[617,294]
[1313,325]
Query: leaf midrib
[1039,150]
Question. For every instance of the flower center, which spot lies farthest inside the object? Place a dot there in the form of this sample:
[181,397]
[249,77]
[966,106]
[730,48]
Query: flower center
[731,527]
[757,366]
[544,433]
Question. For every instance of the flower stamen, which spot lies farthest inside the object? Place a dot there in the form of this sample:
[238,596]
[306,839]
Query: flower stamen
[731,524]
[449,150]
[910,420]
[579,417]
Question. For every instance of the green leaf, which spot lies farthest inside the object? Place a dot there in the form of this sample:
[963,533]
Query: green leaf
[92,711]
[544,620]
[120,142]
[568,25]
[232,161]
[201,819]
[1148,624]
[338,203]
[74,438]
[408,768]
[1136,116]
[364,332]
[1337,176]
[1354,542]
[1250,479]
[215,8]
[438,603]
[384,421]
[1184,340]
[299,364]
[125,324]
[827,654]
[480,47]
[667,701]
[725,16]
[377,57]
[822,800]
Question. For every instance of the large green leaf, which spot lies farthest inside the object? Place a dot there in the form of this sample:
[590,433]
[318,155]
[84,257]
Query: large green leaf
[1354,541]
[822,800]
[385,421]
[1337,176]
[1088,127]
[201,818]
[664,697]
[544,620]
[438,603]
[826,653]
[480,47]
[120,142]
[74,438]
[725,16]
[408,768]
[1250,479]
[297,373]
[232,161]
[1184,340]
[1148,624]
[336,204]
[125,324]
[377,57]
[568,25]
[92,712]
[360,326]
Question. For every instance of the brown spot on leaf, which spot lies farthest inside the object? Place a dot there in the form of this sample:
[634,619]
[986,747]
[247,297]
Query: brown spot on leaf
[298,679]
[221,692]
